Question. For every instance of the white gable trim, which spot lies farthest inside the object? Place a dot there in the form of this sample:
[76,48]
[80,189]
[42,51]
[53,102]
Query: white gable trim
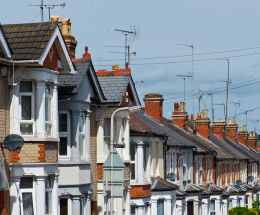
[96,84]
[138,103]
[57,34]
[4,44]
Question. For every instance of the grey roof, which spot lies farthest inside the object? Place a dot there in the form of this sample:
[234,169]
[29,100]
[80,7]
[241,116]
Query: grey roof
[181,193]
[190,188]
[214,188]
[114,87]
[28,41]
[162,184]
[174,139]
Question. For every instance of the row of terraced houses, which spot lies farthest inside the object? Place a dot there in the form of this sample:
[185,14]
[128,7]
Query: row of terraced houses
[61,108]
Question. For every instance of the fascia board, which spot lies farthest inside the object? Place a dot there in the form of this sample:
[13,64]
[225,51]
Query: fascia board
[4,44]
[136,98]
[57,34]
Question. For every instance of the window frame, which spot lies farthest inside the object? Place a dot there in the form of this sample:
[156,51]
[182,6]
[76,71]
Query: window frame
[133,161]
[32,95]
[28,190]
[48,96]
[49,189]
[66,134]
[213,212]
[106,152]
[82,135]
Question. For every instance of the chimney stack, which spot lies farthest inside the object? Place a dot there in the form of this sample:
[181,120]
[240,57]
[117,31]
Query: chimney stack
[232,130]
[252,140]
[154,106]
[242,134]
[66,32]
[219,129]
[202,124]
[179,117]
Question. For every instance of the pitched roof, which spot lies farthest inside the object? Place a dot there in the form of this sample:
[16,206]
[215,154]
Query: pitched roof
[28,41]
[114,87]
[137,125]
[162,184]
[5,50]
[190,188]
[174,139]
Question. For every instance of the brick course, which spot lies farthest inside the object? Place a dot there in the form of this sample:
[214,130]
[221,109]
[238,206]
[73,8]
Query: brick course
[140,191]
[51,60]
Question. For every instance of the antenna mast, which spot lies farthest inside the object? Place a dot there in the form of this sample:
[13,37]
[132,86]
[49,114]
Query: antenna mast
[236,103]
[134,35]
[211,94]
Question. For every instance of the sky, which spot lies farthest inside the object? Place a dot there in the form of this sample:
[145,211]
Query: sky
[218,30]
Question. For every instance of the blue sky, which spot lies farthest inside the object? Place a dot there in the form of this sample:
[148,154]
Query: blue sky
[211,26]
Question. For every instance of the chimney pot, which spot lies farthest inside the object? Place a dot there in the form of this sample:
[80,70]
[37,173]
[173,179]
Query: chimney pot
[229,121]
[199,115]
[176,106]
[205,113]
[192,117]
[234,120]
[55,18]
[182,106]
[115,66]
[244,127]
[240,129]
[65,26]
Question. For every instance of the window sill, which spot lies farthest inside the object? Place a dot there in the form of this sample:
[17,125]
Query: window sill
[66,162]
[134,183]
[42,139]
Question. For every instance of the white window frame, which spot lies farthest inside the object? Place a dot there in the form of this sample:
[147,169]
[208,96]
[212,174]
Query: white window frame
[184,166]
[49,96]
[49,189]
[106,154]
[32,121]
[213,212]
[65,134]
[28,190]
[133,162]
[82,134]
[200,170]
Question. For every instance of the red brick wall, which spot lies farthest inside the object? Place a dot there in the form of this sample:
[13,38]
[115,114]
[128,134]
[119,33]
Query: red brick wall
[4,202]
[220,132]
[228,173]
[242,137]
[213,171]
[252,142]
[128,97]
[232,132]
[51,60]
[223,174]
[100,171]
[153,105]
[71,45]
[140,191]
[204,172]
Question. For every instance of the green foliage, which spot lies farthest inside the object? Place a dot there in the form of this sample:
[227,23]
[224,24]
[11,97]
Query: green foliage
[256,204]
[244,211]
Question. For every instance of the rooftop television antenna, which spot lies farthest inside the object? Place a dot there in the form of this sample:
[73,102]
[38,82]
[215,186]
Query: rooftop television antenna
[210,93]
[134,35]
[49,7]
[236,104]
[224,108]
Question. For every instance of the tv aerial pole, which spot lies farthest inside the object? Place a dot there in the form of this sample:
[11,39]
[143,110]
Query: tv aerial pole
[254,121]
[134,35]
[49,7]
[236,104]
[210,93]
[224,107]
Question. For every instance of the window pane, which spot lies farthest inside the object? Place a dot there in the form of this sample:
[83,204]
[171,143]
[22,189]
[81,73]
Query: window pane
[47,109]
[106,145]
[26,182]
[26,129]
[48,129]
[132,152]
[63,122]
[26,86]
[49,182]
[47,89]
[48,202]
[107,127]
[160,207]
[27,204]
[212,205]
[81,206]
[81,145]
[81,123]
[26,108]
[63,146]
[132,210]
[132,171]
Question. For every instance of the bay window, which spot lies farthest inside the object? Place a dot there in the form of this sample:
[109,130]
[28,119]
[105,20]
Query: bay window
[48,194]
[48,120]
[160,207]
[132,161]
[212,207]
[82,135]
[107,136]
[64,133]
[27,107]
[27,196]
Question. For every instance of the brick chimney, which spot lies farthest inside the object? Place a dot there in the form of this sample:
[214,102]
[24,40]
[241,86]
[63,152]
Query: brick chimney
[202,124]
[66,32]
[86,57]
[154,106]
[219,129]
[115,71]
[179,117]
[242,134]
[232,130]
[252,139]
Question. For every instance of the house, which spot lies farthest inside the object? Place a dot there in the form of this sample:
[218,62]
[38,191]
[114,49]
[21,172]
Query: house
[37,55]
[120,93]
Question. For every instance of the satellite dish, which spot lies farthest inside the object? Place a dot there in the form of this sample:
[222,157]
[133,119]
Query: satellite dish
[13,142]
[250,178]
[238,187]
[257,186]
[171,176]
[239,182]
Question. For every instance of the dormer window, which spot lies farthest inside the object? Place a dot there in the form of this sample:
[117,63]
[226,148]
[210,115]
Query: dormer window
[27,110]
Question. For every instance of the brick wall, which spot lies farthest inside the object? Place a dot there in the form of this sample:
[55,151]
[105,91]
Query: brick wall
[219,129]
[140,191]
[232,132]
[94,168]
[4,202]
[51,60]
[128,97]
[44,152]
[202,127]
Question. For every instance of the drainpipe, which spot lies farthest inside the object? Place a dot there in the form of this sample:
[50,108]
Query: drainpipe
[165,145]
[19,62]
[215,165]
